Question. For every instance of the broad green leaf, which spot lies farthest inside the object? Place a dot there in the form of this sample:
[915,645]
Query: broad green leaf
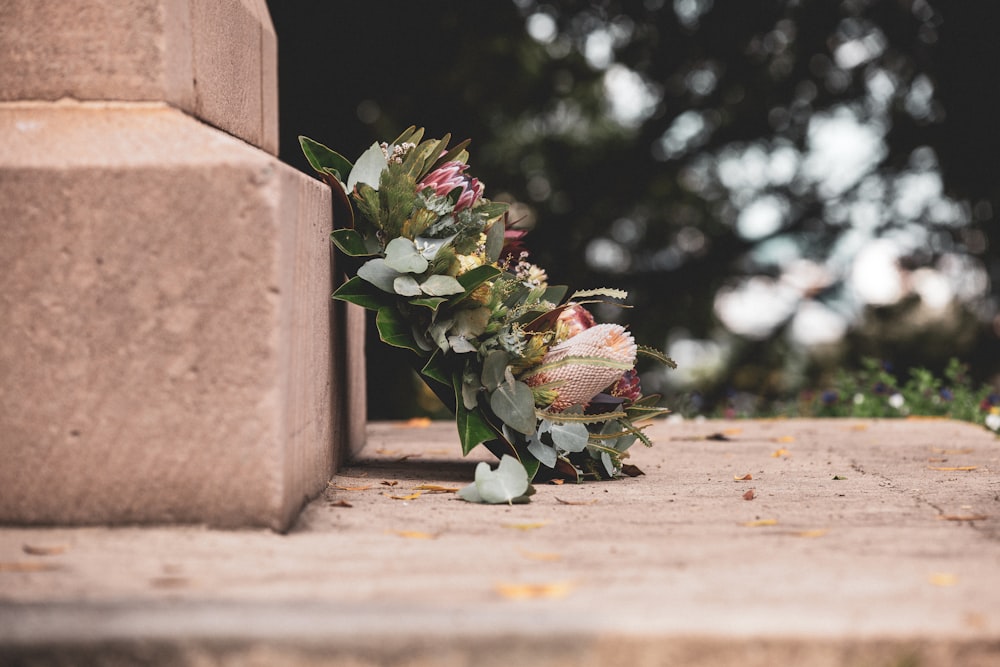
[323,159]
[439,285]
[402,255]
[368,169]
[362,293]
[349,242]
[472,279]
[473,429]
[394,329]
[494,241]
[494,368]
[503,485]
[406,286]
[378,273]
[514,404]
[437,369]
[431,302]
[555,293]
[543,453]
[570,437]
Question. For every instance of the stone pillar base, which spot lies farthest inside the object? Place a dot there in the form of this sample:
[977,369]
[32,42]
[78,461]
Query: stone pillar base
[165,300]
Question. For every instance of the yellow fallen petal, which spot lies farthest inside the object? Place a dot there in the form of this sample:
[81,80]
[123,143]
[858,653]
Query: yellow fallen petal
[413,534]
[436,488]
[526,526]
[953,468]
[533,591]
[761,522]
[541,555]
[943,579]
[411,496]
[780,452]
[785,438]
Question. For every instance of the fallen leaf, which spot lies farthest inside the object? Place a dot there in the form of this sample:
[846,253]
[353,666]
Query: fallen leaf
[631,470]
[722,437]
[818,532]
[526,526]
[404,457]
[534,591]
[541,555]
[436,488]
[575,502]
[963,517]
[416,422]
[953,468]
[352,488]
[780,452]
[48,550]
[340,503]
[859,427]
[745,478]
[387,452]
[732,431]
[388,483]
[760,523]
[938,450]
[750,495]
[557,481]
[168,582]
[839,478]
[785,438]
[410,496]
[943,579]
[414,534]
[27,566]
[937,460]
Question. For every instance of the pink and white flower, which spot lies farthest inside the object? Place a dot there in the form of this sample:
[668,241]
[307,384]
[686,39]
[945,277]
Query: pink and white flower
[449,177]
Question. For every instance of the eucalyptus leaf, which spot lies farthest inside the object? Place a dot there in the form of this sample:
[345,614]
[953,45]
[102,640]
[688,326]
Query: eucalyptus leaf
[440,285]
[406,286]
[470,391]
[608,465]
[494,241]
[429,248]
[494,366]
[570,437]
[368,169]
[471,322]
[505,484]
[514,404]
[378,273]
[401,254]
[545,454]
[461,344]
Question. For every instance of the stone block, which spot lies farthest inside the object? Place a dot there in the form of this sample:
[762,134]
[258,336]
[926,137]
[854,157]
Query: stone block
[215,59]
[166,354]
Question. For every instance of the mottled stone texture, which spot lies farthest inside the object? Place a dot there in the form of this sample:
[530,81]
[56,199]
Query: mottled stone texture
[215,59]
[166,352]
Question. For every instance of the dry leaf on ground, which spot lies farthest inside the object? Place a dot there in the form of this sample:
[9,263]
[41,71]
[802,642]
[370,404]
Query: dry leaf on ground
[526,526]
[963,517]
[534,591]
[541,555]
[414,534]
[575,502]
[352,488]
[780,452]
[436,488]
[750,495]
[27,566]
[953,468]
[818,532]
[943,579]
[45,550]
[409,496]
[339,503]
[785,438]
[745,478]
[759,523]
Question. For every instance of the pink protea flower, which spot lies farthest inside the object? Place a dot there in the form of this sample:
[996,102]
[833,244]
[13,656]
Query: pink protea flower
[580,367]
[573,319]
[448,177]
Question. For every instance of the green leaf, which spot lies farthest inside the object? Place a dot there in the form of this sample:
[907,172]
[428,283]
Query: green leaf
[470,280]
[471,322]
[514,404]
[362,293]
[393,329]
[436,368]
[570,437]
[411,131]
[401,254]
[431,302]
[379,274]
[406,286]
[494,241]
[494,369]
[653,353]
[368,169]
[503,485]
[350,242]
[545,454]
[439,285]
[473,428]
[555,293]
[453,155]
[324,160]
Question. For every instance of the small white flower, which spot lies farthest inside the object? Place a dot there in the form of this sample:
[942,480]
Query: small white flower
[859,399]
[896,401]
[993,421]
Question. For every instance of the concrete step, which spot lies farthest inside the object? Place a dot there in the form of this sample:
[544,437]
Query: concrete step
[864,543]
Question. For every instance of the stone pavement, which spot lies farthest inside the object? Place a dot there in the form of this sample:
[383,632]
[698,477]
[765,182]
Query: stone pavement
[862,543]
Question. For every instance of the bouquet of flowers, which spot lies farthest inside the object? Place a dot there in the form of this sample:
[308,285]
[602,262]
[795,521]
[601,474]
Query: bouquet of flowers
[526,371]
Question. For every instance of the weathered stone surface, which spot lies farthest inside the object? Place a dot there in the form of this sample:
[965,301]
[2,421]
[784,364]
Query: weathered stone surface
[216,59]
[165,299]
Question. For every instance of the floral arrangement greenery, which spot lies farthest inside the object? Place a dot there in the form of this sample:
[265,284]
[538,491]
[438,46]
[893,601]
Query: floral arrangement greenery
[526,371]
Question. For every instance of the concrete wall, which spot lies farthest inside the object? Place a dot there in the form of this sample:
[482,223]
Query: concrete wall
[170,352]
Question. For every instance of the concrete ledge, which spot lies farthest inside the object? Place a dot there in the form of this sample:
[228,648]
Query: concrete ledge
[165,299]
[860,547]
[215,59]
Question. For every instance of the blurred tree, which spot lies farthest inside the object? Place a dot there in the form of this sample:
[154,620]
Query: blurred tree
[782,186]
